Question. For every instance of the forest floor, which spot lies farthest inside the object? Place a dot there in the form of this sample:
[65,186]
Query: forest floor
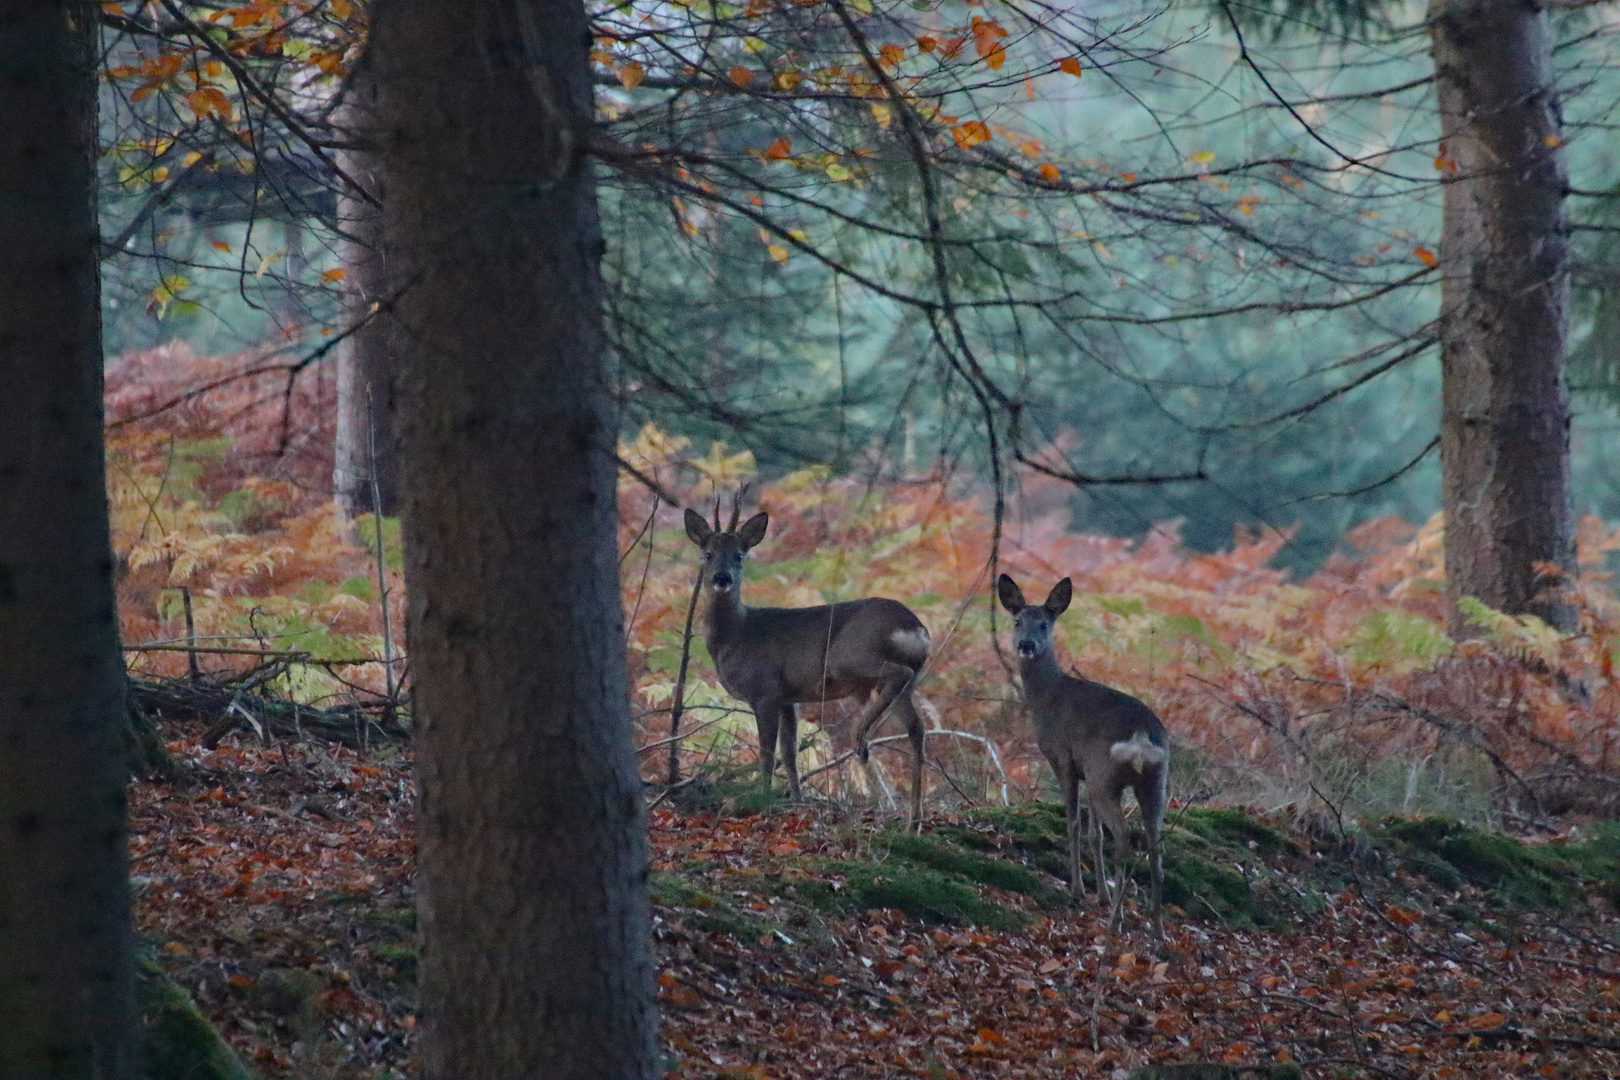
[274,883]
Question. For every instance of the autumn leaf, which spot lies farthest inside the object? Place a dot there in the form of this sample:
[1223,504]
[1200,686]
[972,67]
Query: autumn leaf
[892,54]
[786,80]
[337,273]
[1552,140]
[972,133]
[1203,157]
[221,245]
[777,252]
[927,43]
[780,149]
[740,75]
[1050,173]
[1426,257]
[1070,64]
[631,74]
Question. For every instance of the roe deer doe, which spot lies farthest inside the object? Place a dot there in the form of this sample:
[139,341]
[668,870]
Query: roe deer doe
[1094,733]
[773,658]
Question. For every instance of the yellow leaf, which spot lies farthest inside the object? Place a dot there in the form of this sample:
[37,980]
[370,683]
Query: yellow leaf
[1203,157]
[1071,64]
[754,44]
[787,80]
[1552,140]
[882,113]
[631,74]
[862,6]
[337,273]
[971,133]
[777,252]
[837,172]
[191,159]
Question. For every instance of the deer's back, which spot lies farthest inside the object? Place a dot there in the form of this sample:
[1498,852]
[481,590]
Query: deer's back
[822,653]
[1078,721]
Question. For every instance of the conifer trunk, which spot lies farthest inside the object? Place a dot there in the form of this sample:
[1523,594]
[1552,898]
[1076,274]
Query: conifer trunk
[365,470]
[535,957]
[66,975]
[1504,433]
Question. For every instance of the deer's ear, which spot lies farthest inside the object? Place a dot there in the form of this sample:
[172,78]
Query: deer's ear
[753,530]
[697,530]
[1012,597]
[1057,601]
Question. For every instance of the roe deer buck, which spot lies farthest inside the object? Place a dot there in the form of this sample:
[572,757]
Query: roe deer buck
[1094,733]
[773,658]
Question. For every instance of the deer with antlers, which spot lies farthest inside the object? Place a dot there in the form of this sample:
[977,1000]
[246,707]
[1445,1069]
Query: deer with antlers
[1092,733]
[776,658]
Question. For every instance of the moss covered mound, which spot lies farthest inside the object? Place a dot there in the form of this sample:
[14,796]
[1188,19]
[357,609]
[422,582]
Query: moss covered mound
[176,1038]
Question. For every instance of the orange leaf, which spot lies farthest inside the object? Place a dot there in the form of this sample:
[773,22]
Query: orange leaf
[208,100]
[1050,172]
[780,150]
[337,273]
[927,43]
[1426,257]
[222,246]
[892,53]
[831,980]
[995,57]
[631,75]
[971,133]
[1552,140]
[740,75]
[1071,64]
[991,1035]
[786,80]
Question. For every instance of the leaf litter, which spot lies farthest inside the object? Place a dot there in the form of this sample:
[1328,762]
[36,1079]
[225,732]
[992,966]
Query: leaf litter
[274,883]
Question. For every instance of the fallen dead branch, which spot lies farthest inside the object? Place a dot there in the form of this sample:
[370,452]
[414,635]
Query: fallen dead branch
[226,706]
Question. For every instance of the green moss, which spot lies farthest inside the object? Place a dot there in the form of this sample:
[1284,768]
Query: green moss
[1236,829]
[924,894]
[1448,853]
[711,913]
[176,1038]
[938,853]
[401,957]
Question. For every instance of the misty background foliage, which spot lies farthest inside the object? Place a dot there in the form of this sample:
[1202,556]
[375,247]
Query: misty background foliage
[1315,419]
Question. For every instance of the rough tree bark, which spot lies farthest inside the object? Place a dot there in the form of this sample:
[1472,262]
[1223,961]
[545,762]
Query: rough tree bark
[66,973]
[365,403]
[535,958]
[1504,433]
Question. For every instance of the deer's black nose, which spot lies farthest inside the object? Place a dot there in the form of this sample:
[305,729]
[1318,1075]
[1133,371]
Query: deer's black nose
[722,580]
[1026,649]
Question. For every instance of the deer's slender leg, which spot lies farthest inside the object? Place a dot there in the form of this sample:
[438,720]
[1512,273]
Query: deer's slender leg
[894,680]
[1151,795]
[1106,811]
[907,709]
[767,718]
[790,748]
[1069,784]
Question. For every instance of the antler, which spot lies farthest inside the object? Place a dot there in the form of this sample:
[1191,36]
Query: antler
[716,511]
[736,510]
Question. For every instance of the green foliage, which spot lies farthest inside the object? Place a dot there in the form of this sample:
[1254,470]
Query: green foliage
[1399,641]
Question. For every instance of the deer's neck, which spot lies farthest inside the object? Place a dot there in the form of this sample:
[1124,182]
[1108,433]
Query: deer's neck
[1041,674]
[724,618]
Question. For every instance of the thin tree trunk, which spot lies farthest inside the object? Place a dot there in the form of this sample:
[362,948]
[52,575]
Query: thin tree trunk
[66,975]
[1504,435]
[364,391]
[535,958]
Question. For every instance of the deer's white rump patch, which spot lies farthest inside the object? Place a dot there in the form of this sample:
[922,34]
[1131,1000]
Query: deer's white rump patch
[911,644]
[1139,751]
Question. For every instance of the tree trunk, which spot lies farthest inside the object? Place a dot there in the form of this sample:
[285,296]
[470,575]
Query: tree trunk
[535,958]
[1504,434]
[365,396]
[66,973]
